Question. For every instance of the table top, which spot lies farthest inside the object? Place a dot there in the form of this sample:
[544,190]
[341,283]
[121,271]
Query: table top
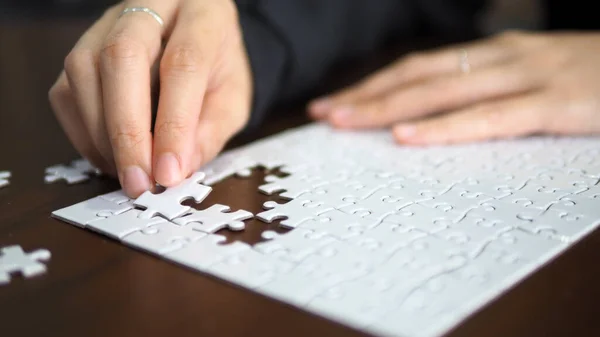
[98,287]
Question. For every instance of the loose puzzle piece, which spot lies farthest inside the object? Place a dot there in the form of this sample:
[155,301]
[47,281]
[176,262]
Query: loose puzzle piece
[85,212]
[120,225]
[4,176]
[215,218]
[78,171]
[168,203]
[14,259]
[162,238]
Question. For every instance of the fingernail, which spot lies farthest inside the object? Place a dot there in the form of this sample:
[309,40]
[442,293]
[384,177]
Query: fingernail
[168,169]
[135,181]
[406,131]
[320,106]
[342,113]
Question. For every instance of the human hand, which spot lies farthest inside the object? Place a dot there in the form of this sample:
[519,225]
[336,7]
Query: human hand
[102,99]
[512,84]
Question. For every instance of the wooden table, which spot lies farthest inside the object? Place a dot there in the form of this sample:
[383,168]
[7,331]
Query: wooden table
[98,287]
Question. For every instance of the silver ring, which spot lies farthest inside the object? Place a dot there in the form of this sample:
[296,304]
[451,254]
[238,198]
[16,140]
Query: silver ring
[146,10]
[464,64]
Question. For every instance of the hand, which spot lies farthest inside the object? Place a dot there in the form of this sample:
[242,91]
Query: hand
[102,99]
[518,84]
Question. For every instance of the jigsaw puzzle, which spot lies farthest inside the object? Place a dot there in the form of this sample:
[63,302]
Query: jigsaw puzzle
[4,176]
[386,239]
[13,259]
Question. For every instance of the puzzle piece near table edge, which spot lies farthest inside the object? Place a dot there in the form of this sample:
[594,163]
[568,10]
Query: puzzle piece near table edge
[14,260]
[4,178]
[168,203]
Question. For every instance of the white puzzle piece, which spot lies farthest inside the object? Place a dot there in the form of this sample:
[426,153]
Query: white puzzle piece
[120,225]
[79,171]
[162,238]
[4,176]
[168,203]
[85,212]
[215,218]
[206,251]
[14,259]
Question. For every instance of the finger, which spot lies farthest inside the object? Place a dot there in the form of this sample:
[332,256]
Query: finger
[509,117]
[81,68]
[64,107]
[225,112]
[436,95]
[191,59]
[415,67]
[126,57]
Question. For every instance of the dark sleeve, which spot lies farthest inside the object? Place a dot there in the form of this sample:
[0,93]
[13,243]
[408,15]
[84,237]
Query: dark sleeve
[292,43]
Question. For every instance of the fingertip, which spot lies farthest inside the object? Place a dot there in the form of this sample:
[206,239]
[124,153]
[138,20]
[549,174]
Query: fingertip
[167,169]
[319,108]
[135,181]
[341,116]
[405,133]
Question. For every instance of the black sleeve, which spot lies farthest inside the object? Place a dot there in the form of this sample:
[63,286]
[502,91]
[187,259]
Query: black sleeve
[292,43]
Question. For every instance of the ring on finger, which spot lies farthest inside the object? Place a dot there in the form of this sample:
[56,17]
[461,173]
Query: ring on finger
[146,10]
[463,62]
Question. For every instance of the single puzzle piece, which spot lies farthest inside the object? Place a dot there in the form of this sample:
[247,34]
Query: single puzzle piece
[70,174]
[526,245]
[229,163]
[215,218]
[456,201]
[537,196]
[162,238]
[83,165]
[293,246]
[425,219]
[249,268]
[117,197]
[4,176]
[120,225]
[501,213]
[14,259]
[294,211]
[293,185]
[330,265]
[561,225]
[381,203]
[585,202]
[339,224]
[471,234]
[168,203]
[85,212]
[202,253]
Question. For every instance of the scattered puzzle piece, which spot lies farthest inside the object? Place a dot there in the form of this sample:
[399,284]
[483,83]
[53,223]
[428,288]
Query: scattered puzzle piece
[14,259]
[79,171]
[4,176]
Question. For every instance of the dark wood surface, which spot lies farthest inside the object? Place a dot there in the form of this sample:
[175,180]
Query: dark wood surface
[98,287]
